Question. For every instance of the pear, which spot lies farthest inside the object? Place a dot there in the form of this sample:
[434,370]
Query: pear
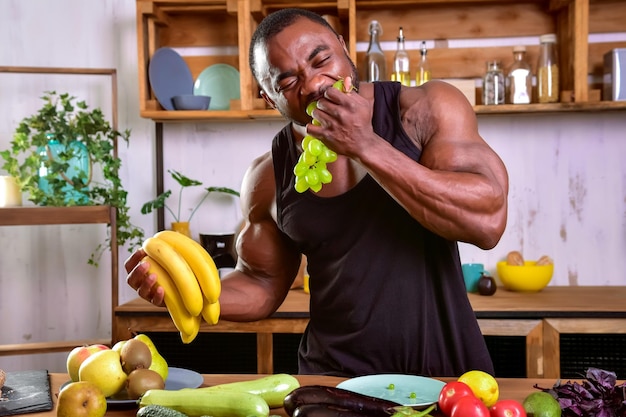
[119,345]
[81,399]
[104,369]
[159,364]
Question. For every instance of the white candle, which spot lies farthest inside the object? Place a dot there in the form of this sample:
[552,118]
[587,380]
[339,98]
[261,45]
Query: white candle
[10,194]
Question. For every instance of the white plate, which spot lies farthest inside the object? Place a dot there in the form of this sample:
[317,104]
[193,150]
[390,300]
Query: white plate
[221,83]
[409,390]
[177,378]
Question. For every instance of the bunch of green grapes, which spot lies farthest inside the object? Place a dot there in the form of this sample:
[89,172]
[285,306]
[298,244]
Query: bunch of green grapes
[310,170]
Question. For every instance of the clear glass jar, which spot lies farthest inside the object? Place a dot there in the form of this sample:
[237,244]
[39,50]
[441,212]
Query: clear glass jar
[422,74]
[401,62]
[376,67]
[548,70]
[493,84]
[519,80]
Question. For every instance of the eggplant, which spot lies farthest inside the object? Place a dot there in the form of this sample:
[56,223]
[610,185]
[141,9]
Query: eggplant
[338,398]
[324,410]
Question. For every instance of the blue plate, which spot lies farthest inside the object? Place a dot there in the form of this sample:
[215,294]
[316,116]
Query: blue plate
[409,390]
[169,76]
[221,83]
[177,378]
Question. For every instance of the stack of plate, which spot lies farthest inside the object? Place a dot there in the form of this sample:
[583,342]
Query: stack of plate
[170,76]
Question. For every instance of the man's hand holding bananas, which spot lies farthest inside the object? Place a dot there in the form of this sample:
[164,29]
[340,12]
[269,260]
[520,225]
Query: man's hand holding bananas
[189,278]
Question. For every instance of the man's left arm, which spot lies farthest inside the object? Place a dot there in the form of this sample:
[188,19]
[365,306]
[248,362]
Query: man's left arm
[459,188]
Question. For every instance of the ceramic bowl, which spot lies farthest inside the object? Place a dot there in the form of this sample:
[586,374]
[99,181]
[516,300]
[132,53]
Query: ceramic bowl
[191,102]
[525,278]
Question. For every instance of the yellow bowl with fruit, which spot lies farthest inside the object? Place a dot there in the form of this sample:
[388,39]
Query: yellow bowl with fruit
[529,277]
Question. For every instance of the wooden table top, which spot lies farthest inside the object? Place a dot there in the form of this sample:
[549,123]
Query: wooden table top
[551,302]
[510,388]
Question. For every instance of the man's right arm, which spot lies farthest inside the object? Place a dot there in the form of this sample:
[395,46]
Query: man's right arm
[267,262]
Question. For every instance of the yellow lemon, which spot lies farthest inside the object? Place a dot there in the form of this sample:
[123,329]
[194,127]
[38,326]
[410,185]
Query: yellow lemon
[483,385]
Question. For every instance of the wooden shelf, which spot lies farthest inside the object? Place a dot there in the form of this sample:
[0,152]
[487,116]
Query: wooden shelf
[183,24]
[37,216]
[48,347]
[215,116]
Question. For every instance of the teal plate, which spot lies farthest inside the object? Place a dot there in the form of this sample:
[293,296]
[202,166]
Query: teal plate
[221,83]
[409,390]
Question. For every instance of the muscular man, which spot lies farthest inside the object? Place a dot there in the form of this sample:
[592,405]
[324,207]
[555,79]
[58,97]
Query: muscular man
[413,177]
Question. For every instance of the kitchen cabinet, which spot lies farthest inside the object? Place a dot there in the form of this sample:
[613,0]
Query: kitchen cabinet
[541,319]
[207,32]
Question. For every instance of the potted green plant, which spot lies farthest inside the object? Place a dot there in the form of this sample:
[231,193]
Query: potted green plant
[54,154]
[160,201]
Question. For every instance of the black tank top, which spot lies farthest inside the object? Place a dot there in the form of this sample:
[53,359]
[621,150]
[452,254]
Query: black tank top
[387,295]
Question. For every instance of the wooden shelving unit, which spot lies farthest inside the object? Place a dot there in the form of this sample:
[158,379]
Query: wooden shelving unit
[212,28]
[39,216]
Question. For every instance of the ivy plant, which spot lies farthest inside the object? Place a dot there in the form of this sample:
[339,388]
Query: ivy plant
[45,174]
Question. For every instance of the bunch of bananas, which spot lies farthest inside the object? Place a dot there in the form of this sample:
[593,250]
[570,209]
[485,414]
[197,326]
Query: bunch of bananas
[189,277]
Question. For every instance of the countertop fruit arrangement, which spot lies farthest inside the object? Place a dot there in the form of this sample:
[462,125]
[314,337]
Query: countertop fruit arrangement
[125,371]
[473,394]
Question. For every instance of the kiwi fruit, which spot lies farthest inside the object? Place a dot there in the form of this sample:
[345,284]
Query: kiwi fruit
[135,354]
[141,380]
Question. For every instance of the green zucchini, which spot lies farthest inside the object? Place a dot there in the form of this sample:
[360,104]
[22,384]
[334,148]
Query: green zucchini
[272,388]
[196,402]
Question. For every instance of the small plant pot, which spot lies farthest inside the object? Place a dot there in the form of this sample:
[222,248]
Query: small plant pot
[181,227]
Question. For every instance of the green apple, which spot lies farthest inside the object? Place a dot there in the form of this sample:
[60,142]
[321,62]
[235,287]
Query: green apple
[81,399]
[78,355]
[104,369]
[159,364]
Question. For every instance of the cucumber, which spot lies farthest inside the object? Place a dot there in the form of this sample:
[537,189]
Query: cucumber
[154,410]
[196,402]
[272,388]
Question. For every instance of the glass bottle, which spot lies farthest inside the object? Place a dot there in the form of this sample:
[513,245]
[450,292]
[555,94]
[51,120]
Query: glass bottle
[376,68]
[519,81]
[493,84]
[423,67]
[401,62]
[547,70]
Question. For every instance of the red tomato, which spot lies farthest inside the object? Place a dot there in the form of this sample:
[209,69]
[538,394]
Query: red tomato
[469,406]
[450,394]
[507,408]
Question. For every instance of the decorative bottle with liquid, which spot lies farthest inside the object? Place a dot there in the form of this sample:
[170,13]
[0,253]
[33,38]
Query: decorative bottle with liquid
[547,70]
[401,62]
[423,67]
[493,84]
[519,81]
[375,65]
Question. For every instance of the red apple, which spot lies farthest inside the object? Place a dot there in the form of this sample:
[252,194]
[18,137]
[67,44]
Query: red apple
[78,355]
